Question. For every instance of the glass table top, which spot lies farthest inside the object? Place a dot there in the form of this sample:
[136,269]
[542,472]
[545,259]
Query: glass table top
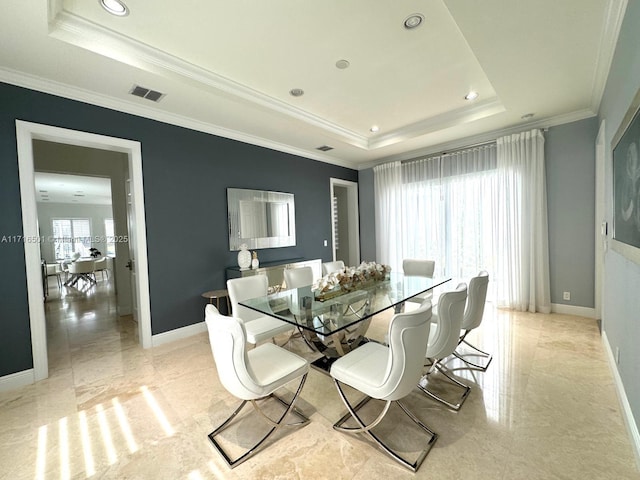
[337,311]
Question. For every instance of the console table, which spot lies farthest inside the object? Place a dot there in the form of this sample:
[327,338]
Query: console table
[275,271]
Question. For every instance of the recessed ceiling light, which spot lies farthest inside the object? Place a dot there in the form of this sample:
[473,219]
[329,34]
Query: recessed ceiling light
[115,7]
[374,128]
[471,95]
[342,64]
[527,116]
[296,92]
[414,20]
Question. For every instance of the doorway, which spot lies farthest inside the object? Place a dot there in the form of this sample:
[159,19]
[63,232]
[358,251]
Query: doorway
[345,221]
[26,133]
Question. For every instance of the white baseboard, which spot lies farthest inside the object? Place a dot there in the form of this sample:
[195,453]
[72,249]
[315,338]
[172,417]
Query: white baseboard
[178,334]
[17,380]
[627,413]
[573,310]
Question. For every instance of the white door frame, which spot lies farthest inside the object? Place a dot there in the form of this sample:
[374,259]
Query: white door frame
[26,132]
[353,214]
[600,221]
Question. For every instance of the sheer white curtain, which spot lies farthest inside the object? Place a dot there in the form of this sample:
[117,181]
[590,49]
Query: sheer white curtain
[389,211]
[522,229]
[438,208]
[481,208]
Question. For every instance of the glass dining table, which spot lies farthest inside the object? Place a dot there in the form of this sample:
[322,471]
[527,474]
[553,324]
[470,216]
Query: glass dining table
[336,322]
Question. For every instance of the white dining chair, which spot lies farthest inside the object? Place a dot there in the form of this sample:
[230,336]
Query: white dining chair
[100,265]
[443,339]
[298,277]
[413,267]
[53,270]
[81,270]
[387,373]
[252,376]
[472,319]
[331,267]
[258,327]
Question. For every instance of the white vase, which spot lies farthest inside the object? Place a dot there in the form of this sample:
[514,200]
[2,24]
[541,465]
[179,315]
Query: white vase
[244,257]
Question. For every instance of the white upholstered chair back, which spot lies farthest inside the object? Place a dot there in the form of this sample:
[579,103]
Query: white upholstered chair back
[82,266]
[476,299]
[418,267]
[330,267]
[227,338]
[446,329]
[245,288]
[408,333]
[298,277]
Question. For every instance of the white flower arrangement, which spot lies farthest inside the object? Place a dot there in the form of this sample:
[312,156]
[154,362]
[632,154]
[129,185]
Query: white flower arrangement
[349,278]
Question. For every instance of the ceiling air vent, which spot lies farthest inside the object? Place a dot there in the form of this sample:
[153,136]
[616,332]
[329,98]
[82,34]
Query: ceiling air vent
[142,92]
[324,148]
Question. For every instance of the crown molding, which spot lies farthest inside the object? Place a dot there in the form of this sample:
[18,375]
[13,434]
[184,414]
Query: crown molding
[33,82]
[608,40]
[439,122]
[483,137]
[78,31]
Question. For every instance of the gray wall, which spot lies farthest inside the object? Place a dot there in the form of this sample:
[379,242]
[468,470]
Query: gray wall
[185,175]
[621,303]
[366,203]
[570,171]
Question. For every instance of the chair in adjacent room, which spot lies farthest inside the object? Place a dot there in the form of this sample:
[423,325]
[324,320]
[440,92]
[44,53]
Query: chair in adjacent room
[101,266]
[252,376]
[419,268]
[81,270]
[330,267]
[443,339]
[258,327]
[387,373]
[52,270]
[472,319]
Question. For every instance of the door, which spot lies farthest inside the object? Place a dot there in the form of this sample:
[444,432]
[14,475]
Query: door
[345,221]
[131,264]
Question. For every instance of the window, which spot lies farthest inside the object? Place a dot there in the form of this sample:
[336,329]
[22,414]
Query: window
[439,208]
[71,235]
[110,234]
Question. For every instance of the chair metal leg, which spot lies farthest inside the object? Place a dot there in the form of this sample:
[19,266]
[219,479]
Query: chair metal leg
[480,353]
[352,413]
[423,386]
[275,425]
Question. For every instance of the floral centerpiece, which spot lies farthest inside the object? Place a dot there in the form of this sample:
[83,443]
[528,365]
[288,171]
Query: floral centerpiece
[349,278]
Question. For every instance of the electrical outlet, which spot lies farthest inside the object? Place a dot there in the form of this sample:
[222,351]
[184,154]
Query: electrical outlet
[566,296]
[326,243]
[617,355]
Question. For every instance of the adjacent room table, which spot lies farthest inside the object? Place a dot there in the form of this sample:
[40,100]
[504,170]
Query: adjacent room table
[336,322]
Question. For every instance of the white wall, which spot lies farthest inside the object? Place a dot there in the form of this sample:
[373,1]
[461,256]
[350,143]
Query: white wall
[95,213]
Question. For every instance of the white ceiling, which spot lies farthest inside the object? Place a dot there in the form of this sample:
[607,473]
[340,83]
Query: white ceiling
[63,188]
[227,67]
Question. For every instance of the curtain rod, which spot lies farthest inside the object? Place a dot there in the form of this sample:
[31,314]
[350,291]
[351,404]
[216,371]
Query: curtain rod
[448,152]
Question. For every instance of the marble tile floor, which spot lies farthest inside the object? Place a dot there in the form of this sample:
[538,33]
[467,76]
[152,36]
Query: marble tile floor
[545,409]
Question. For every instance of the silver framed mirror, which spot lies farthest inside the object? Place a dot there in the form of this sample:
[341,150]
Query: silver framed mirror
[260,219]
